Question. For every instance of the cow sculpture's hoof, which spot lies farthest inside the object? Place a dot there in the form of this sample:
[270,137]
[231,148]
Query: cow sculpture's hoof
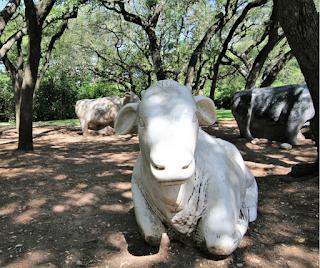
[186,183]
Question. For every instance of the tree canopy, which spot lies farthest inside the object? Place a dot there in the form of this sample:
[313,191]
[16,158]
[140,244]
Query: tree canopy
[117,44]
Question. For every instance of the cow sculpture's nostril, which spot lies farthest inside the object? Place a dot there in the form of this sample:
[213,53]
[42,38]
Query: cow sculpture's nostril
[158,167]
[186,166]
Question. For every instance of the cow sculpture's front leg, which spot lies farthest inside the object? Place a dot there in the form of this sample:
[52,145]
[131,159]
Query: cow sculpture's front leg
[84,126]
[220,238]
[223,224]
[151,227]
[244,127]
[250,203]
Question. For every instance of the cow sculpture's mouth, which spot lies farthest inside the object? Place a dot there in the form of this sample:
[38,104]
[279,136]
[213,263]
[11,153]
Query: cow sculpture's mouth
[172,183]
[172,175]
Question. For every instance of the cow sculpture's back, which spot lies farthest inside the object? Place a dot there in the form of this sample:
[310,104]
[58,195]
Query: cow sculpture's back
[186,183]
[95,113]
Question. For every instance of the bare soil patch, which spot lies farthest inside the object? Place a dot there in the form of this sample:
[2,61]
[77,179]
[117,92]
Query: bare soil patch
[68,203]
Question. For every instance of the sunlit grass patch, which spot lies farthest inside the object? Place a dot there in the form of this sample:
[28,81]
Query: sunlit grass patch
[65,121]
[221,115]
[224,115]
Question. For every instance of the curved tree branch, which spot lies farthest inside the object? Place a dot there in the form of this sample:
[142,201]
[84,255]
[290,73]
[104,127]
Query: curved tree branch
[248,7]
[7,13]
[19,34]
[149,27]
[271,76]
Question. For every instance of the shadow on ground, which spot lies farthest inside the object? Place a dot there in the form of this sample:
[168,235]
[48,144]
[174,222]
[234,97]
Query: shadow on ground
[68,203]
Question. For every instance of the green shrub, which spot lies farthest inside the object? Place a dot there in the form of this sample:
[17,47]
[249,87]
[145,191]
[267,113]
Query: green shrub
[56,97]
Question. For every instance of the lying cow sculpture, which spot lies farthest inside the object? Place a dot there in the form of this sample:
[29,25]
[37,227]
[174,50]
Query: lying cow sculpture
[94,113]
[276,113]
[185,183]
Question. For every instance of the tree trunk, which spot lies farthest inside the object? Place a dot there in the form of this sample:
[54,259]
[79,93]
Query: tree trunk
[16,80]
[30,77]
[18,84]
[25,128]
[155,54]
[273,39]
[199,50]
[149,27]
[17,95]
[228,39]
[300,22]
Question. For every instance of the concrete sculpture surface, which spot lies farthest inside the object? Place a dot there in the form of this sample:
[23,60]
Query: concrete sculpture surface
[95,113]
[186,183]
[275,113]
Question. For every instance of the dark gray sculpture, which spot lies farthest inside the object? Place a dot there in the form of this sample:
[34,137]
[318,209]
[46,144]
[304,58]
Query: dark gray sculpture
[275,113]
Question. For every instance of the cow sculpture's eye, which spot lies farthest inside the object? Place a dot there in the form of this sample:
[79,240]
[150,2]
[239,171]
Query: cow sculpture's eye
[141,123]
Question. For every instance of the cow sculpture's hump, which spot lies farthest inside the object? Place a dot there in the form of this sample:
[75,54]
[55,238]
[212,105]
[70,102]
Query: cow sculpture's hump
[186,183]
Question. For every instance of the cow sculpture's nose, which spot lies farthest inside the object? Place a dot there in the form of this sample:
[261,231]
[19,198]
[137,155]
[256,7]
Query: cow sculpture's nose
[160,167]
[172,170]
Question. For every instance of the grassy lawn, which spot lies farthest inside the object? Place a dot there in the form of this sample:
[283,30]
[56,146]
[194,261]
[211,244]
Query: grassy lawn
[65,121]
[221,115]
[224,115]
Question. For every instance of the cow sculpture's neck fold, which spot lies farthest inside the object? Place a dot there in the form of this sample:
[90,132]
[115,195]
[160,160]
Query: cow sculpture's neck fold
[170,196]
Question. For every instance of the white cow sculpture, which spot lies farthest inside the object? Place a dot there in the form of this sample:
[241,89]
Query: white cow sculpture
[186,183]
[94,113]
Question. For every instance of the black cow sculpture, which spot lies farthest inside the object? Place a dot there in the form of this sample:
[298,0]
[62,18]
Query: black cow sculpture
[275,113]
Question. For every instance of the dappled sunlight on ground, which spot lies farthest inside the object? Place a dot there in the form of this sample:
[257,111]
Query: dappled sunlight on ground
[31,259]
[68,203]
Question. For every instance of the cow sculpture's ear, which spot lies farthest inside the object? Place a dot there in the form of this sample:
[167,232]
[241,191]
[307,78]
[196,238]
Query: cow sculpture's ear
[206,112]
[142,93]
[126,119]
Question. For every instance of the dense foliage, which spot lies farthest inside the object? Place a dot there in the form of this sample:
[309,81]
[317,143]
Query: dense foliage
[59,92]
[6,99]
[101,53]
[56,97]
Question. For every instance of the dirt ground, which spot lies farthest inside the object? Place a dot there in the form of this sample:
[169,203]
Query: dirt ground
[68,203]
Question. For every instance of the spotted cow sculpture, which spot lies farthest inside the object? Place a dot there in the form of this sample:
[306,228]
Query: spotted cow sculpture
[275,113]
[95,113]
[186,183]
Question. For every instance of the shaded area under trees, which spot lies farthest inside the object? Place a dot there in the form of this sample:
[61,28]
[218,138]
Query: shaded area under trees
[300,22]
[25,77]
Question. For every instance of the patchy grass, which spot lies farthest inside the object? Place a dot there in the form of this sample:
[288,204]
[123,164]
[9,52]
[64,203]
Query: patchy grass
[224,115]
[55,122]
[6,123]
[221,115]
